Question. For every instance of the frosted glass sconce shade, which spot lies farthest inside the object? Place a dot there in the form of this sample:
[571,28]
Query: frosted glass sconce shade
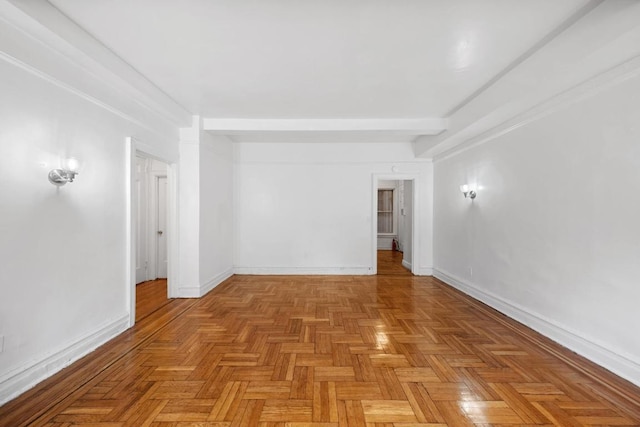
[467,191]
[67,173]
[71,164]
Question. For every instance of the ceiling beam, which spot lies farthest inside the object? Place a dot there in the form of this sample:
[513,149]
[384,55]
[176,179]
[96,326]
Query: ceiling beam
[601,37]
[74,58]
[234,126]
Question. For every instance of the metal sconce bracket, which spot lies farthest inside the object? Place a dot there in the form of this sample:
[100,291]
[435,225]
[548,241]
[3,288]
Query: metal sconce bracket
[60,177]
[467,192]
[67,173]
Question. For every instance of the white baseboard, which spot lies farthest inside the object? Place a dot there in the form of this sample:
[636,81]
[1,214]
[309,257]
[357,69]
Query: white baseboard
[600,353]
[206,287]
[288,271]
[21,379]
[215,281]
[423,271]
[188,292]
[406,264]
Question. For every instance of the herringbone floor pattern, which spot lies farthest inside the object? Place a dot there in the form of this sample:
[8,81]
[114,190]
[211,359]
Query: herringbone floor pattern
[150,296]
[330,351]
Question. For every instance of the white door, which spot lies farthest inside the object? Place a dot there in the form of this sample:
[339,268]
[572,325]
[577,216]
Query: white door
[162,228]
[141,220]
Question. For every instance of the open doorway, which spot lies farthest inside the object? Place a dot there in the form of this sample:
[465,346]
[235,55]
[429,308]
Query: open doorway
[151,232]
[151,235]
[394,233]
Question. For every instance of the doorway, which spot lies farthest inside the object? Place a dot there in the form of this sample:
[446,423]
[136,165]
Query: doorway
[151,237]
[151,229]
[394,233]
[151,219]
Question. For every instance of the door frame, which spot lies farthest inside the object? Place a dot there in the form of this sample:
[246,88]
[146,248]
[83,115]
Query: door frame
[132,149]
[415,224]
[141,218]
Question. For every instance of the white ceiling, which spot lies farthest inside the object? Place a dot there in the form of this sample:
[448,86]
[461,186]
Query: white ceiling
[320,59]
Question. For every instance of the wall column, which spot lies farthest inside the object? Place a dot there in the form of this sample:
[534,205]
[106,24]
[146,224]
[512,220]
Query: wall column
[189,207]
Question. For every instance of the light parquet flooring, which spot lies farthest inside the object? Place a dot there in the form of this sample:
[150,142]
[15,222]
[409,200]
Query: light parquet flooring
[328,351]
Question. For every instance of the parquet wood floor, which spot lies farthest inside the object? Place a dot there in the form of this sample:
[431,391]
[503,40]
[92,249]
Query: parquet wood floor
[150,296]
[390,263]
[328,351]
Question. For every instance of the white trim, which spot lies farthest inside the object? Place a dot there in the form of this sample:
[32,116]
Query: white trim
[131,227]
[133,148]
[408,126]
[539,45]
[77,50]
[207,286]
[623,365]
[21,379]
[410,162]
[423,271]
[80,94]
[406,264]
[173,246]
[415,226]
[288,271]
[394,211]
[152,224]
[188,292]
[587,89]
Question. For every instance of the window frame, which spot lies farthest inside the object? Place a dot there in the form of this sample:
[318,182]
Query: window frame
[394,213]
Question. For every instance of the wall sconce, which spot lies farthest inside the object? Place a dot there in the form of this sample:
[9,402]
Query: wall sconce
[468,191]
[67,173]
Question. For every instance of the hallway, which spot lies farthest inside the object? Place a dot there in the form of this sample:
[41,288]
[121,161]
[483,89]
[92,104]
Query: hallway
[328,351]
[390,263]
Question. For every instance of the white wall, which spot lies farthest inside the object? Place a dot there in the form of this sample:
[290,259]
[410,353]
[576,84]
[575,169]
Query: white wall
[553,237]
[307,207]
[189,215]
[64,251]
[205,204]
[216,204]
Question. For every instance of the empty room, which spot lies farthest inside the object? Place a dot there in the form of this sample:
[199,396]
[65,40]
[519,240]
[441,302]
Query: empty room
[319,213]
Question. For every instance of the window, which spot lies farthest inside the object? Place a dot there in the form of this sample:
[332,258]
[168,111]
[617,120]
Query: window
[385,211]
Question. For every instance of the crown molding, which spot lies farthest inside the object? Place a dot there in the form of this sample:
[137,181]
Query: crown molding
[613,77]
[594,43]
[47,44]
[579,14]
